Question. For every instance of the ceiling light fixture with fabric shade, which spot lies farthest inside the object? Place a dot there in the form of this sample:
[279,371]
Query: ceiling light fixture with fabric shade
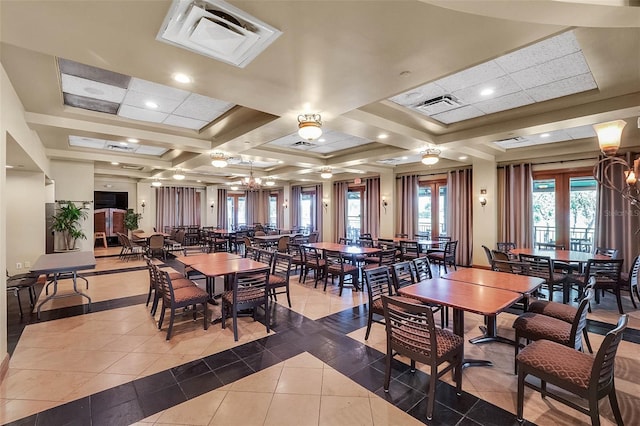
[218,159]
[431,156]
[156,183]
[309,126]
[607,170]
[178,175]
[270,182]
[326,173]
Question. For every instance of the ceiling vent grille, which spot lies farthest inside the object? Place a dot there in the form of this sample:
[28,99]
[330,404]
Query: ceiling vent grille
[216,29]
[511,141]
[130,167]
[119,148]
[439,104]
[303,143]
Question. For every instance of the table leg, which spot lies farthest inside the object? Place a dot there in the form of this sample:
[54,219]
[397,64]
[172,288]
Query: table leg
[49,297]
[458,328]
[491,333]
[75,287]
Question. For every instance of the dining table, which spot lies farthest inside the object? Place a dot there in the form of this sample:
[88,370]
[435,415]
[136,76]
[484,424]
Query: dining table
[343,248]
[271,239]
[462,297]
[521,284]
[567,256]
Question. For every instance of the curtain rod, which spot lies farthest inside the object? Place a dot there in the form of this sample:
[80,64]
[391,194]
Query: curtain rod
[548,162]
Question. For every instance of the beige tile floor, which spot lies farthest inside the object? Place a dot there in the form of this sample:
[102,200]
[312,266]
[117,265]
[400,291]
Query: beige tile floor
[62,360]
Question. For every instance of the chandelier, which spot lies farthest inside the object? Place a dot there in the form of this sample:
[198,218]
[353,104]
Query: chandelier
[218,159]
[251,183]
[309,126]
[178,174]
[603,172]
[431,156]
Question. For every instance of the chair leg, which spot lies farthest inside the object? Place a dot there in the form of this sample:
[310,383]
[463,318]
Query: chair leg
[161,320]
[369,321]
[171,318]
[387,372]
[520,410]
[594,412]
[613,400]
[632,299]
[585,337]
[517,349]
[19,302]
[288,297]
[205,307]
[266,312]
[234,313]
[432,393]
[619,300]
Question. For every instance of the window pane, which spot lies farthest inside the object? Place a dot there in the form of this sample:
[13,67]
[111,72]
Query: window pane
[424,209]
[273,210]
[305,211]
[230,214]
[242,211]
[544,210]
[442,213]
[354,214]
[582,202]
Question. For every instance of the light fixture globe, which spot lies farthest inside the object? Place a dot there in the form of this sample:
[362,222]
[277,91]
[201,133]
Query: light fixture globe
[609,135]
[156,183]
[431,156]
[326,173]
[309,126]
[218,159]
[178,175]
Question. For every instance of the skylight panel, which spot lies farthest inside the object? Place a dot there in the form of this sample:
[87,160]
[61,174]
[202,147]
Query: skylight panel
[115,146]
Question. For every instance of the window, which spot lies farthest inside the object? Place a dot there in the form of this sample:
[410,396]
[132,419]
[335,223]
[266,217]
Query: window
[432,208]
[355,207]
[273,210]
[306,210]
[236,210]
[564,209]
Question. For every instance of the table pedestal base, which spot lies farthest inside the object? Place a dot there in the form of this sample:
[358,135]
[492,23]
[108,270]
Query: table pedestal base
[491,334]
[458,328]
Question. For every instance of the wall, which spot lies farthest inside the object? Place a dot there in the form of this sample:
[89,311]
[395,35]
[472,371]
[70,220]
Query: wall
[387,215]
[147,193]
[485,219]
[25,194]
[75,182]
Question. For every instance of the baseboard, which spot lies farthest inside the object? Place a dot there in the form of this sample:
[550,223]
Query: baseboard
[4,367]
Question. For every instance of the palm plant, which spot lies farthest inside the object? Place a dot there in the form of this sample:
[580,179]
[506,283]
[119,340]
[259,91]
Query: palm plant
[68,222]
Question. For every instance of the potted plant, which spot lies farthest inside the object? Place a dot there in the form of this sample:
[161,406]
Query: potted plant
[68,222]
[131,220]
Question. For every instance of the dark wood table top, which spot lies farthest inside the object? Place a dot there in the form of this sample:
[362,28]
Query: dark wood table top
[561,255]
[461,295]
[488,278]
[207,258]
[216,269]
[343,248]
[64,262]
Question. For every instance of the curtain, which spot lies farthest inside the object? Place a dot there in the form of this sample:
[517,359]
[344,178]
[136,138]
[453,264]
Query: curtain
[407,207]
[223,219]
[166,200]
[188,207]
[294,205]
[460,213]
[515,204]
[253,207]
[372,206]
[281,209]
[340,209]
[617,220]
[317,210]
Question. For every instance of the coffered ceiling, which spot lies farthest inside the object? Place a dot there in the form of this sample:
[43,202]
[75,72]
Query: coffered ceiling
[360,64]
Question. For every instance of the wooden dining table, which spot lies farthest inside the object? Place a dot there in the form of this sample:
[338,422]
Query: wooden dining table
[207,258]
[568,256]
[462,296]
[343,248]
[521,284]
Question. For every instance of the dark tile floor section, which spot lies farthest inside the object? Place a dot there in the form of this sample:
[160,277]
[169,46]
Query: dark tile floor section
[323,338]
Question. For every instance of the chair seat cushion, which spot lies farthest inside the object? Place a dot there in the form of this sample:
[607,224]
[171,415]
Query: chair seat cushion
[181,282]
[446,341]
[559,311]
[346,269]
[558,277]
[560,361]
[436,256]
[245,295]
[277,281]
[536,326]
[190,294]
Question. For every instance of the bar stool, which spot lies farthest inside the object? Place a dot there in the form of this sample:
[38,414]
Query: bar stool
[100,235]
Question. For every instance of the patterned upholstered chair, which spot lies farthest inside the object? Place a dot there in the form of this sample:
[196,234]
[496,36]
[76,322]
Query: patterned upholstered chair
[378,283]
[249,291]
[177,280]
[591,378]
[337,265]
[532,326]
[629,281]
[412,332]
[279,276]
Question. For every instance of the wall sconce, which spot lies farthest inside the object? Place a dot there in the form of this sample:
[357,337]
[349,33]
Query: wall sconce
[285,204]
[483,197]
[143,205]
[212,206]
[325,204]
[384,204]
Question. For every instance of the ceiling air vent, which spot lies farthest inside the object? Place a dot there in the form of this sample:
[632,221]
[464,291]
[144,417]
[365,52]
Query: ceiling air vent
[439,104]
[120,148]
[303,143]
[131,167]
[511,142]
[216,29]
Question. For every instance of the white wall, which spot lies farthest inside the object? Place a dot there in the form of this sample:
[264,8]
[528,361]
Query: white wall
[25,194]
[147,193]
[74,181]
[485,219]
[387,216]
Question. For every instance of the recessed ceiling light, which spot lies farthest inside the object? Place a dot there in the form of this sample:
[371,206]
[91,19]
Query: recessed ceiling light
[486,92]
[462,157]
[123,144]
[156,183]
[182,78]
[322,140]
[132,140]
[234,188]
[404,158]
[545,135]
[199,181]
[115,163]
[280,162]
[151,104]
[383,136]
[8,167]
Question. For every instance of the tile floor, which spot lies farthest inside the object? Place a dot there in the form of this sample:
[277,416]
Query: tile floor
[113,366]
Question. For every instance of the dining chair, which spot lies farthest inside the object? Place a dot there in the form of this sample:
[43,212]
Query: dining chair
[506,246]
[629,280]
[313,237]
[283,244]
[609,252]
[344,240]
[279,276]
[607,275]
[378,283]
[156,246]
[487,252]
[533,326]
[336,264]
[409,250]
[542,267]
[296,258]
[500,255]
[447,257]
[386,257]
[590,378]
[422,268]
[177,280]
[511,267]
[249,291]
[19,282]
[174,298]
[313,262]
[412,332]
[405,273]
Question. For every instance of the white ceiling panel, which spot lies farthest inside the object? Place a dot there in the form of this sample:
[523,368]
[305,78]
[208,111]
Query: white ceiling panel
[510,101]
[139,99]
[501,86]
[202,108]
[569,86]
[141,114]
[189,123]
[419,95]
[155,89]
[115,146]
[549,72]
[91,89]
[464,113]
[150,150]
[539,53]
[471,76]
[581,132]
